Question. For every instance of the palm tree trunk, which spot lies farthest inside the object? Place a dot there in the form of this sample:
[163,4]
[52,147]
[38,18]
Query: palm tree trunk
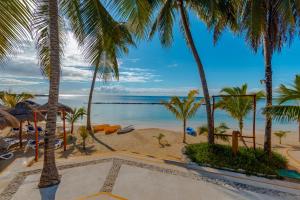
[241,126]
[20,134]
[88,121]
[299,130]
[184,131]
[268,79]
[49,174]
[72,127]
[201,73]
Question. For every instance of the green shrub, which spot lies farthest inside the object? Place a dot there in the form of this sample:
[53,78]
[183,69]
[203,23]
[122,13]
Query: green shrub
[250,160]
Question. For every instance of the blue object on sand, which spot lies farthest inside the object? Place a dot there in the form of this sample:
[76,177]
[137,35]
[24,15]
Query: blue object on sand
[191,131]
[289,174]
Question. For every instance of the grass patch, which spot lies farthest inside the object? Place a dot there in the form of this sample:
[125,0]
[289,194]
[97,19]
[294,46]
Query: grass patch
[250,160]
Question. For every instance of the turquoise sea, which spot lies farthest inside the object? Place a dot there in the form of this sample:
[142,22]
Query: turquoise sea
[153,115]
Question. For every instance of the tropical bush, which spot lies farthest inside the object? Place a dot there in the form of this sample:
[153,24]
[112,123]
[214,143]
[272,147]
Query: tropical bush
[247,159]
[219,130]
[83,132]
[280,134]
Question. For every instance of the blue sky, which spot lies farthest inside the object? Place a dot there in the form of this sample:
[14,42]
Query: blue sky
[150,69]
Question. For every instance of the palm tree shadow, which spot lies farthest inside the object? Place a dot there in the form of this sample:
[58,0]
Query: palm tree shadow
[48,193]
[100,142]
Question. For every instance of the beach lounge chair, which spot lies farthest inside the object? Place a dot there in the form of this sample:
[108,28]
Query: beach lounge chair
[101,127]
[126,129]
[15,130]
[30,129]
[6,155]
[111,129]
[12,141]
[190,131]
[31,143]
[58,143]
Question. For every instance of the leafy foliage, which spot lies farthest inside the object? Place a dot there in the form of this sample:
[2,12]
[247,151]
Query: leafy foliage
[83,132]
[12,99]
[287,94]
[15,19]
[219,130]
[250,160]
[237,105]
[78,114]
[280,134]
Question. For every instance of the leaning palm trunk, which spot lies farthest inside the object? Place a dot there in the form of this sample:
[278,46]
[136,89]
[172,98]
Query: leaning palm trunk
[268,80]
[88,121]
[201,73]
[184,131]
[299,130]
[49,174]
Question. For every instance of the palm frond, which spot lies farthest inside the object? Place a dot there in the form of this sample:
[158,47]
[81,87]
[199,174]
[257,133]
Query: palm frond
[284,113]
[15,17]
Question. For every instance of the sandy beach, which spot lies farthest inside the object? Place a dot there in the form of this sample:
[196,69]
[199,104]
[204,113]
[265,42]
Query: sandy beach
[144,142]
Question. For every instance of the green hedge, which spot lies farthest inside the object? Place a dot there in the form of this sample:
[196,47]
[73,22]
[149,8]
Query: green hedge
[250,160]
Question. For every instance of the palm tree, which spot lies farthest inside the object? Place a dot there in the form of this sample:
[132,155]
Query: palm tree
[214,13]
[287,112]
[10,99]
[15,26]
[75,116]
[268,24]
[237,105]
[184,109]
[280,135]
[219,131]
[50,174]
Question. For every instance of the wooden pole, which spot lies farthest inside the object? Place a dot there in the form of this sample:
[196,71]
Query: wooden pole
[36,138]
[64,126]
[20,134]
[254,120]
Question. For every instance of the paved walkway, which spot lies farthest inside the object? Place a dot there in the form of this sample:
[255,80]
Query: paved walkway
[123,177]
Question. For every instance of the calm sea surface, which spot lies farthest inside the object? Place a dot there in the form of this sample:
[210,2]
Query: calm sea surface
[154,116]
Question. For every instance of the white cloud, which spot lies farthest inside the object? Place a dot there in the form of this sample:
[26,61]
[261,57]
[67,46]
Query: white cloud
[16,82]
[173,65]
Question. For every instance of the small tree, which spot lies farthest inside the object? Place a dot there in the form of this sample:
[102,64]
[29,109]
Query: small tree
[219,130]
[184,109]
[280,134]
[74,117]
[159,139]
[84,135]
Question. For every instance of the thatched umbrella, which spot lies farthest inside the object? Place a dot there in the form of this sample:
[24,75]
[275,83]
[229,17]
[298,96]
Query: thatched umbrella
[6,119]
[62,109]
[25,112]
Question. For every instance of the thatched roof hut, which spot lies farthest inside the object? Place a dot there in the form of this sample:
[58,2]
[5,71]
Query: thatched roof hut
[25,112]
[6,119]
[61,107]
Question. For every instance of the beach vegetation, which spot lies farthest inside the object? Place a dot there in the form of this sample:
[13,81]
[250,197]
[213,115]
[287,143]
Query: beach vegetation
[184,108]
[10,99]
[283,112]
[247,160]
[268,25]
[215,14]
[280,134]
[236,104]
[83,132]
[78,113]
[220,131]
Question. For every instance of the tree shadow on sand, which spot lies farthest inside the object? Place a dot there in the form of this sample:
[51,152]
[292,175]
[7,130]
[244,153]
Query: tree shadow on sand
[102,143]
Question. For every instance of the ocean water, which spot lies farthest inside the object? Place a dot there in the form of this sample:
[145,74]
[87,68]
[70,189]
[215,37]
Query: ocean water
[153,115]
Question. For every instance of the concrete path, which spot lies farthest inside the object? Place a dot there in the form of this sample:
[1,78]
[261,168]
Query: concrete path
[122,177]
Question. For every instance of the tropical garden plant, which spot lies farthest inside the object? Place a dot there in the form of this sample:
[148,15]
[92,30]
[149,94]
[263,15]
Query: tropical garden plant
[78,113]
[215,14]
[268,24]
[159,138]
[84,134]
[184,109]
[10,99]
[220,131]
[280,134]
[287,113]
[236,104]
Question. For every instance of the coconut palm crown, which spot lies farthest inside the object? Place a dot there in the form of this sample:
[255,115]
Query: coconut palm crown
[291,95]
[10,99]
[184,109]
[236,105]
